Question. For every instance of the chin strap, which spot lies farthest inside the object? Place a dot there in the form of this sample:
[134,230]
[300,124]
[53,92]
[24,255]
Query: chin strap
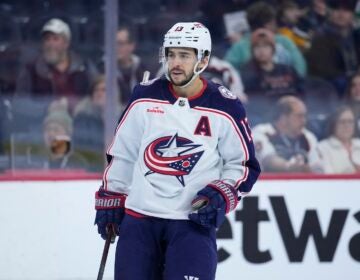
[195,73]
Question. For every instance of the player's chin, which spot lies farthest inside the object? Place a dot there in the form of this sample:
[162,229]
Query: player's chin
[177,81]
[179,84]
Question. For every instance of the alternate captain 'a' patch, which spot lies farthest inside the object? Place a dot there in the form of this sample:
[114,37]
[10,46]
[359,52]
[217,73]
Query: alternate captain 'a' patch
[170,156]
[226,92]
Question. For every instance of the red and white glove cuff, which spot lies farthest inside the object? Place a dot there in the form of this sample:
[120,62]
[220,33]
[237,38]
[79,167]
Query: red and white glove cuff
[109,200]
[228,192]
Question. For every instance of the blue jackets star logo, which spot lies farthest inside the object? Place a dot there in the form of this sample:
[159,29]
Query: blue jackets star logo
[170,155]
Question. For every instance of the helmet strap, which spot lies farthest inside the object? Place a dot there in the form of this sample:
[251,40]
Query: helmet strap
[196,73]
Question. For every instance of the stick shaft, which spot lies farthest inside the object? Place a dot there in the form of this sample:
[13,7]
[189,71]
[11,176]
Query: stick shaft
[146,76]
[109,240]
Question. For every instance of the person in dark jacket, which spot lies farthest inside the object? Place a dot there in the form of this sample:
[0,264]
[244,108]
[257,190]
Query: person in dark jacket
[264,78]
[57,71]
[335,52]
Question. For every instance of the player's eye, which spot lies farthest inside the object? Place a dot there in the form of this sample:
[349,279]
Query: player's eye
[184,56]
[171,55]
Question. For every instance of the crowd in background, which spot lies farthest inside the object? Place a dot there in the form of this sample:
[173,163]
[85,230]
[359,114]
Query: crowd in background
[293,64]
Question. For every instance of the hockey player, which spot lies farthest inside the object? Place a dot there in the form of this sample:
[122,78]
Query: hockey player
[181,159]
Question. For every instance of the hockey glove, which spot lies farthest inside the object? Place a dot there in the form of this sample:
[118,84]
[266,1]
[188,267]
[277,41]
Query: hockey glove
[212,203]
[109,211]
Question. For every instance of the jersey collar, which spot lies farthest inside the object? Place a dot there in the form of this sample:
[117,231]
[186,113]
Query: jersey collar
[194,97]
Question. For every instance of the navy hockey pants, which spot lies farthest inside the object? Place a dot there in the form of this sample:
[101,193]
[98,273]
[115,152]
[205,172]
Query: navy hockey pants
[162,249]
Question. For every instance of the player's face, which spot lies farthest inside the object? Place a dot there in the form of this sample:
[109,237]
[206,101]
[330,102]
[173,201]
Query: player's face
[355,89]
[181,62]
[345,126]
[55,47]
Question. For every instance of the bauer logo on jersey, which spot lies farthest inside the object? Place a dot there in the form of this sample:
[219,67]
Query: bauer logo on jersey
[173,156]
[226,93]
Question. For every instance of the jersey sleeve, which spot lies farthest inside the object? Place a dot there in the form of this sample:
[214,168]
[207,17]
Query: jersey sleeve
[123,151]
[236,147]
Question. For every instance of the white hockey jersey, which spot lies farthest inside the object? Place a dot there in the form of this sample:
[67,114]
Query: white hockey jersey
[167,148]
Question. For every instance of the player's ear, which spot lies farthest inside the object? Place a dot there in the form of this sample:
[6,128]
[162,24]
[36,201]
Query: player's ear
[205,59]
[203,62]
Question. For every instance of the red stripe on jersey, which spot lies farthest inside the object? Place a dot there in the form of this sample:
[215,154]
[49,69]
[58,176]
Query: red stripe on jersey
[105,174]
[197,95]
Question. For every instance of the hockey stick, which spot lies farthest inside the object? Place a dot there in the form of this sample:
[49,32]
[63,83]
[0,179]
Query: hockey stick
[110,239]
[146,76]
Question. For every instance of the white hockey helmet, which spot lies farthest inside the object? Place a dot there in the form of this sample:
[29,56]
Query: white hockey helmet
[187,35]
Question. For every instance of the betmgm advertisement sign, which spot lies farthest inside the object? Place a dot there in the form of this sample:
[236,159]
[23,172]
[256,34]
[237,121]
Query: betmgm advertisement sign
[298,229]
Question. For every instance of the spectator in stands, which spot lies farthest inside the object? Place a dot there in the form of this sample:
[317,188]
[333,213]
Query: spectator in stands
[262,77]
[57,133]
[335,53]
[352,98]
[57,71]
[89,125]
[340,152]
[316,16]
[93,106]
[263,15]
[285,145]
[289,20]
[130,67]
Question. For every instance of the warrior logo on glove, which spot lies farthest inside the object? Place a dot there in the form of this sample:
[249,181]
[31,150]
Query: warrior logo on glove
[169,156]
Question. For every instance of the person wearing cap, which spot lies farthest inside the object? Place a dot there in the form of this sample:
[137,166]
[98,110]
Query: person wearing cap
[335,52]
[56,71]
[264,80]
